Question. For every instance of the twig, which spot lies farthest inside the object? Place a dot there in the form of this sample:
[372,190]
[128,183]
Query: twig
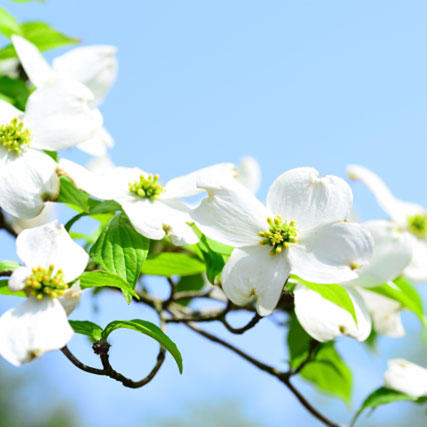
[76,362]
[255,319]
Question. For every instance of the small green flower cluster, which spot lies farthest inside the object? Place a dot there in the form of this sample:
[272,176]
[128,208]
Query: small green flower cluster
[280,234]
[14,137]
[43,283]
[417,224]
[147,187]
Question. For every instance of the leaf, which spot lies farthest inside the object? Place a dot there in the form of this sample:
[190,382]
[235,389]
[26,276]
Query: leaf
[120,249]
[379,397]
[97,207]
[172,264]
[70,194]
[149,329]
[99,279]
[8,266]
[8,24]
[333,293]
[42,35]
[4,290]
[15,90]
[52,154]
[327,371]
[194,282]
[84,327]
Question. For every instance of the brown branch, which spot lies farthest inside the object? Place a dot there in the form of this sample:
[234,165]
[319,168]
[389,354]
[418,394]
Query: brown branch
[307,360]
[76,362]
[255,319]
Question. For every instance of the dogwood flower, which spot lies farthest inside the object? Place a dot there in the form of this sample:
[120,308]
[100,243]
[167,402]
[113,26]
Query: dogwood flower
[95,67]
[45,216]
[325,321]
[409,218]
[57,116]
[153,209]
[406,377]
[302,230]
[249,173]
[51,260]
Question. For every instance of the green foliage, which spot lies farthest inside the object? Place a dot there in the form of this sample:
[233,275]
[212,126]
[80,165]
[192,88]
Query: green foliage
[214,261]
[149,329]
[120,250]
[15,91]
[4,290]
[8,24]
[326,370]
[7,266]
[42,35]
[71,195]
[172,264]
[99,279]
[194,282]
[90,329]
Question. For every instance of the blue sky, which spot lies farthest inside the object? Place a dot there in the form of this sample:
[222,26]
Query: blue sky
[307,83]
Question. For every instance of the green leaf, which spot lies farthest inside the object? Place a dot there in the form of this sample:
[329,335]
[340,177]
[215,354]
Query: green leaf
[149,329]
[40,34]
[70,194]
[97,207]
[172,264]
[99,279]
[84,327]
[15,90]
[4,290]
[379,397]
[52,154]
[120,249]
[8,24]
[334,293]
[8,266]
[194,282]
[327,371]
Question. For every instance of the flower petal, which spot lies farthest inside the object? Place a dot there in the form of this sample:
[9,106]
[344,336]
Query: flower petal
[45,216]
[59,116]
[98,144]
[71,298]
[253,271]
[185,186]
[406,377]
[331,253]
[26,182]
[310,201]
[392,253]
[231,214]
[18,278]
[32,329]
[49,244]
[35,66]
[8,112]
[417,268]
[249,174]
[94,66]
[324,320]
[397,209]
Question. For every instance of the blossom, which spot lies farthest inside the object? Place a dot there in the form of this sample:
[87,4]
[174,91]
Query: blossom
[153,209]
[249,173]
[408,218]
[94,67]
[51,260]
[406,377]
[57,116]
[45,216]
[325,321]
[302,230]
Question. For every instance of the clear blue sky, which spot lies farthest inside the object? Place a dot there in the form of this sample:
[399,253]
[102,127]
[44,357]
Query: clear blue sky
[307,83]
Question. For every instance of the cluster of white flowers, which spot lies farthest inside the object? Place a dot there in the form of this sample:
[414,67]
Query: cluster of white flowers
[302,235]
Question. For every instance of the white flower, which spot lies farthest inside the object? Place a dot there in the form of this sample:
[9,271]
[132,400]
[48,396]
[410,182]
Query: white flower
[325,321]
[153,209]
[57,116]
[94,67]
[409,218]
[45,216]
[406,377]
[51,260]
[249,173]
[302,231]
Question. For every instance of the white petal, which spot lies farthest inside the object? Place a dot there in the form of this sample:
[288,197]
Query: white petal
[36,67]
[101,165]
[94,66]
[8,112]
[98,144]
[310,201]
[392,253]
[71,298]
[417,268]
[18,278]
[59,116]
[45,216]
[406,377]
[32,329]
[187,185]
[397,209]
[231,214]
[385,313]
[249,173]
[253,271]
[49,244]
[331,253]
[324,320]
[26,182]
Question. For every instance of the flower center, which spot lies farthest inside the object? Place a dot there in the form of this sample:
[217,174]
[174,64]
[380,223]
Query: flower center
[417,224]
[279,235]
[147,187]
[43,283]
[14,137]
